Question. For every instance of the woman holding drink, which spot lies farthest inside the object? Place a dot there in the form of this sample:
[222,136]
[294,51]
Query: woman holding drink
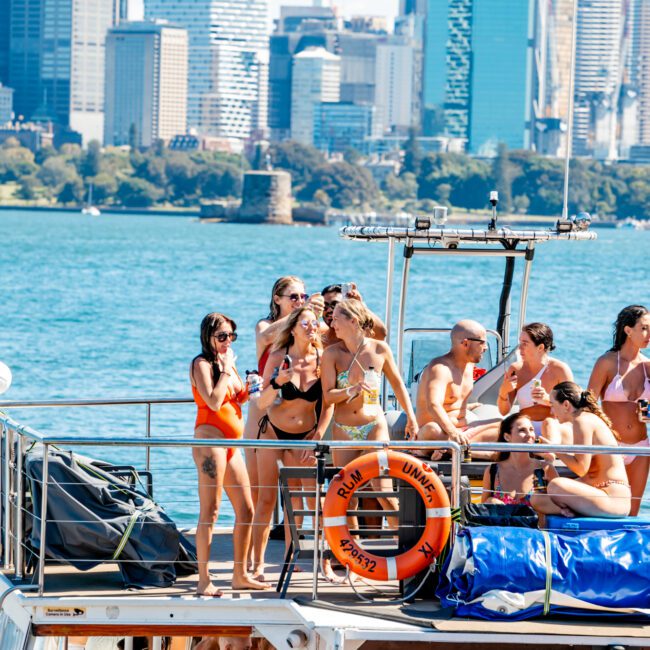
[529,380]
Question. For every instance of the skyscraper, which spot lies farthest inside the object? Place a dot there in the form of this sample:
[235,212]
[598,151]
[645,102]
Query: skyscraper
[598,77]
[228,46]
[57,60]
[485,70]
[25,28]
[447,61]
[505,73]
[316,79]
[642,33]
[5,17]
[395,86]
[146,83]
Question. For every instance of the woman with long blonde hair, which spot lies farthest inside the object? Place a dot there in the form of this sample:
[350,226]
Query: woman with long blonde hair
[347,367]
[292,409]
[287,295]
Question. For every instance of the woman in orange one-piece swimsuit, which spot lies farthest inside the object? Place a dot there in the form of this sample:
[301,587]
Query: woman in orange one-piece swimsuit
[219,392]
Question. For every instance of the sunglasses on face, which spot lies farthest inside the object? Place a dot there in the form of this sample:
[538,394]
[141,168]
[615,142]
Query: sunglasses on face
[295,297]
[223,336]
[331,305]
[309,323]
[481,341]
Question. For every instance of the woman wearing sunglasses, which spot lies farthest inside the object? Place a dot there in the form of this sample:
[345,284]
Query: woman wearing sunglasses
[219,392]
[292,400]
[288,294]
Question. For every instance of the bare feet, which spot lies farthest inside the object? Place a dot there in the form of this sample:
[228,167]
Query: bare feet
[258,574]
[329,574]
[206,588]
[246,582]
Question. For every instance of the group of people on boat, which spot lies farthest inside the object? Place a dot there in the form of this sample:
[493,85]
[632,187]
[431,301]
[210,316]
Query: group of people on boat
[551,408]
[321,358]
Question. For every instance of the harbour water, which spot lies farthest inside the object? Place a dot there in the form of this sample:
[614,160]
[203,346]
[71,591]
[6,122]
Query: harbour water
[110,307]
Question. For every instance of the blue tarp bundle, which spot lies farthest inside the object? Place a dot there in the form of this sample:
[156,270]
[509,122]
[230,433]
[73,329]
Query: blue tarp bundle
[499,573]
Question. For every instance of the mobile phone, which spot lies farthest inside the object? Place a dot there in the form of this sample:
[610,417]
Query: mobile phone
[346,288]
[644,410]
[286,362]
[539,480]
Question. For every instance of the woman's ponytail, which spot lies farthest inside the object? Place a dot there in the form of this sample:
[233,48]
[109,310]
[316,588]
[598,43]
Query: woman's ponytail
[581,399]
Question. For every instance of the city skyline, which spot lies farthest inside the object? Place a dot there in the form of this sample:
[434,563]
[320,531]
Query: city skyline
[465,75]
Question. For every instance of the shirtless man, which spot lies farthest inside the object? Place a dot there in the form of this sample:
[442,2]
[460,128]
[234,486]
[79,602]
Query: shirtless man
[445,386]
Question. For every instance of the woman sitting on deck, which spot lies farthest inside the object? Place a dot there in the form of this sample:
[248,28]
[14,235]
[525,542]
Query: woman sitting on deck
[219,392]
[529,381]
[602,489]
[511,479]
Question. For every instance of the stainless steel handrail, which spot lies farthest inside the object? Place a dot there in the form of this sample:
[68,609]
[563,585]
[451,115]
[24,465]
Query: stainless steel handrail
[126,401]
[441,330]
[9,426]
[62,403]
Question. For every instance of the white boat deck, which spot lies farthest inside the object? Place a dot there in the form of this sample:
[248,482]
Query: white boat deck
[95,602]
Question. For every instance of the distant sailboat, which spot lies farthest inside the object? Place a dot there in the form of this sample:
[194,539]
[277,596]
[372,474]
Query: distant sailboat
[89,209]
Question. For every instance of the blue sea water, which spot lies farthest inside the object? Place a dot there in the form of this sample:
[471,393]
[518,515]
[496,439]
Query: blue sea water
[110,307]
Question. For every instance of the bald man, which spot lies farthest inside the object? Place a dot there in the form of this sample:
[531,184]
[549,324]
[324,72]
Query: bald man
[445,386]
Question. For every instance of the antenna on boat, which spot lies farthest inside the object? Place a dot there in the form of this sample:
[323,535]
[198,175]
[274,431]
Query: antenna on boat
[569,134]
[494,199]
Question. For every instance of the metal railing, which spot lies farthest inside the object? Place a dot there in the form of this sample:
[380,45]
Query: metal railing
[12,470]
[146,402]
[16,436]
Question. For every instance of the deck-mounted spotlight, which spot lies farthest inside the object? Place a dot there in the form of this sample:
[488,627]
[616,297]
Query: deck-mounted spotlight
[564,225]
[440,215]
[422,222]
[494,199]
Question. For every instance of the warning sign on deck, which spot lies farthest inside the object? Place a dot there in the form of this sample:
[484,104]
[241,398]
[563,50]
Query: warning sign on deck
[64,612]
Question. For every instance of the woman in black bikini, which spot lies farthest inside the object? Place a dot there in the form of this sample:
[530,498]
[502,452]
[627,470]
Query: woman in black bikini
[293,403]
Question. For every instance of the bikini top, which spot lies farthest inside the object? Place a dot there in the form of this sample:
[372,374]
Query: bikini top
[343,377]
[615,392]
[524,394]
[498,493]
[314,393]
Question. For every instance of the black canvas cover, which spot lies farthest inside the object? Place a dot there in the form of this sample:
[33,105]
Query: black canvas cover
[94,516]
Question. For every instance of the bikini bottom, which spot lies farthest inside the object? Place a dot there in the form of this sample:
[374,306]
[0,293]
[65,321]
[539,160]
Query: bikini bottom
[358,432]
[606,484]
[642,443]
[279,433]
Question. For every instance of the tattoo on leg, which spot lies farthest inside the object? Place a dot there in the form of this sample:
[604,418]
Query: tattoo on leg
[210,467]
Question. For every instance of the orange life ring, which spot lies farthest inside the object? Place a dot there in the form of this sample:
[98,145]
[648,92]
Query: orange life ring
[415,473]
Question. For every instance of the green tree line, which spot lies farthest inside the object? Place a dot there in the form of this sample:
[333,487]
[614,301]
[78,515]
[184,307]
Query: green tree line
[527,183]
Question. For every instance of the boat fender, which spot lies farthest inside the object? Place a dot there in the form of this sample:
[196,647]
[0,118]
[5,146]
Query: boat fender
[355,475]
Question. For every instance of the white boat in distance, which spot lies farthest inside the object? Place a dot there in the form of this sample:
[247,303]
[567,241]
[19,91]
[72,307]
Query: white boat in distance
[89,209]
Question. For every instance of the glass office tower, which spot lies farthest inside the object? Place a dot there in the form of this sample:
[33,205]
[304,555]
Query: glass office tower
[228,57]
[503,81]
